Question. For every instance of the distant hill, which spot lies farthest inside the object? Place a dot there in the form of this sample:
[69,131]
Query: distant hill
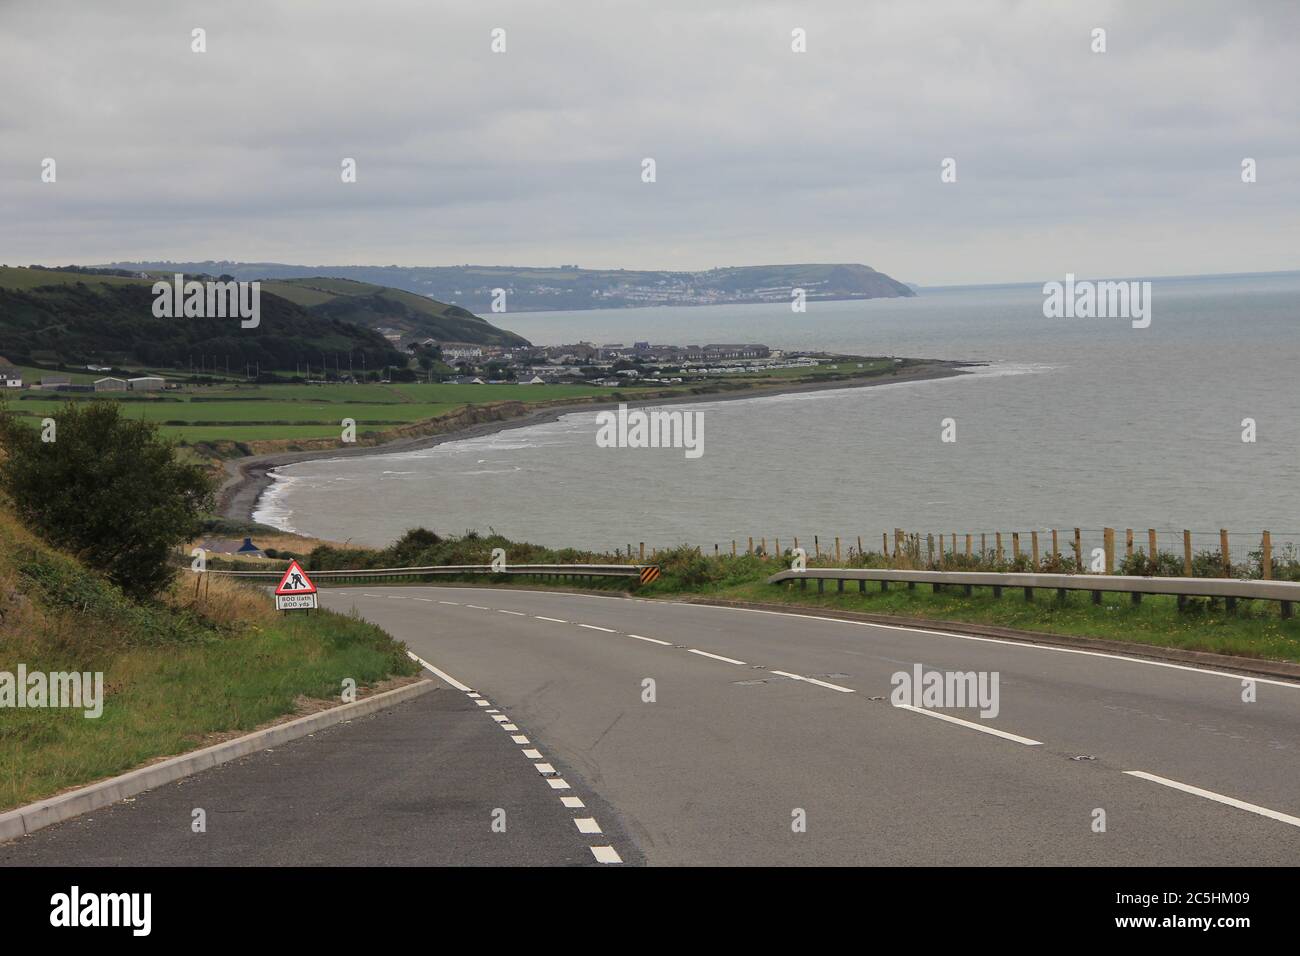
[55,318]
[374,306]
[569,287]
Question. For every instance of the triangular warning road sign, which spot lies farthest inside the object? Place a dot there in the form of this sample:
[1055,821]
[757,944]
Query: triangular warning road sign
[295,581]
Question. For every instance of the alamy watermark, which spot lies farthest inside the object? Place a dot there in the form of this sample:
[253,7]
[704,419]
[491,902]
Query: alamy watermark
[927,690]
[1086,299]
[208,300]
[64,689]
[653,429]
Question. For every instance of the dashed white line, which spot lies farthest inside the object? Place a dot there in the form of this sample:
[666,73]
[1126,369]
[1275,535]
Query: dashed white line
[813,680]
[553,620]
[545,769]
[1217,797]
[606,854]
[716,657]
[520,739]
[515,613]
[533,754]
[501,718]
[483,703]
[478,607]
[557,783]
[593,627]
[652,640]
[1027,741]
[452,603]
[507,727]
[573,803]
[587,825]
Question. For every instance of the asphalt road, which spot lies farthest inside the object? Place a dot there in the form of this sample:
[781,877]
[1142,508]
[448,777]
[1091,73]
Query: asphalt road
[419,784]
[790,719]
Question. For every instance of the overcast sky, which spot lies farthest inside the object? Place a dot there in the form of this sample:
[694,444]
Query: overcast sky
[1120,163]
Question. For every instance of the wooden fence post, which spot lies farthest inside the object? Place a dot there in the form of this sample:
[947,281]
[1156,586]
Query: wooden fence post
[1223,548]
[1033,543]
[984,547]
[1108,544]
[762,546]
[733,547]
[642,550]
[1078,550]
[837,549]
[968,537]
[1056,549]
[929,549]
[860,551]
[751,545]
[1187,553]
[1128,543]
[817,546]
[776,546]
[1266,556]
[884,543]
[1153,551]
[999,540]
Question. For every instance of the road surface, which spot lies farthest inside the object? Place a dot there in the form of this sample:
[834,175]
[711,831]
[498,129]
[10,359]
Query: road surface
[761,718]
[622,731]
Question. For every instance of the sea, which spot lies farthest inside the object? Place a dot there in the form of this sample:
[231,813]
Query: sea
[1067,422]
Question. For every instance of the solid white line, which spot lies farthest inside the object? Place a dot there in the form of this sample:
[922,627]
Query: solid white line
[606,854]
[515,613]
[998,640]
[1027,741]
[1218,797]
[813,680]
[443,674]
[573,803]
[593,627]
[520,739]
[553,620]
[652,640]
[533,754]
[587,825]
[716,657]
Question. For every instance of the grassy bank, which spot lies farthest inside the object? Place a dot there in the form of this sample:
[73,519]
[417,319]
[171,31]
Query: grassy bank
[179,673]
[1253,629]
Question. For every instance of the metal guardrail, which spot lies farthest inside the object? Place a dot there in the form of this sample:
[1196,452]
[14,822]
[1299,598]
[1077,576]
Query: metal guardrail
[644,573]
[1230,589]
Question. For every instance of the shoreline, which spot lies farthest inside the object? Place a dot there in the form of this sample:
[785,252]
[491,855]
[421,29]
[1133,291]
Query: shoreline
[247,479]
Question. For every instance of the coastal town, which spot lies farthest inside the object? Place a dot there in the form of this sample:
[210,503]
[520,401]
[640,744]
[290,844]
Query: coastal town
[461,363]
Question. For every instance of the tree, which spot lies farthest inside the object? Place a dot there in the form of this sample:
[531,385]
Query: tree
[108,489]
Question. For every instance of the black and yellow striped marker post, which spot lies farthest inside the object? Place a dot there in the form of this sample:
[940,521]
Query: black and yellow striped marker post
[650,574]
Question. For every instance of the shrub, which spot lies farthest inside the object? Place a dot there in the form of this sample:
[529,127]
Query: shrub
[107,489]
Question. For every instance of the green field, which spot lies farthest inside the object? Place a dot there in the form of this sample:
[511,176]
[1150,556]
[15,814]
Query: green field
[243,412]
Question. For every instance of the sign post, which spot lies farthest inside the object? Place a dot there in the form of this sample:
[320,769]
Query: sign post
[295,592]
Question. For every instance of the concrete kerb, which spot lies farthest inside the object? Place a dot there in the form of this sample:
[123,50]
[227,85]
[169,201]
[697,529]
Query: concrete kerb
[65,806]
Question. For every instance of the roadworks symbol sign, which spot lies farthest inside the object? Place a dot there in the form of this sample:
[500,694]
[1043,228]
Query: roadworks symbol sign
[295,581]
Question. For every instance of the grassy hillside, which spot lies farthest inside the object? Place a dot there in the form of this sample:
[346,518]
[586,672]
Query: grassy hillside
[175,672]
[373,306]
[52,318]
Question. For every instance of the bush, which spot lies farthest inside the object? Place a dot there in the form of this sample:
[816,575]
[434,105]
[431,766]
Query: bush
[108,489]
